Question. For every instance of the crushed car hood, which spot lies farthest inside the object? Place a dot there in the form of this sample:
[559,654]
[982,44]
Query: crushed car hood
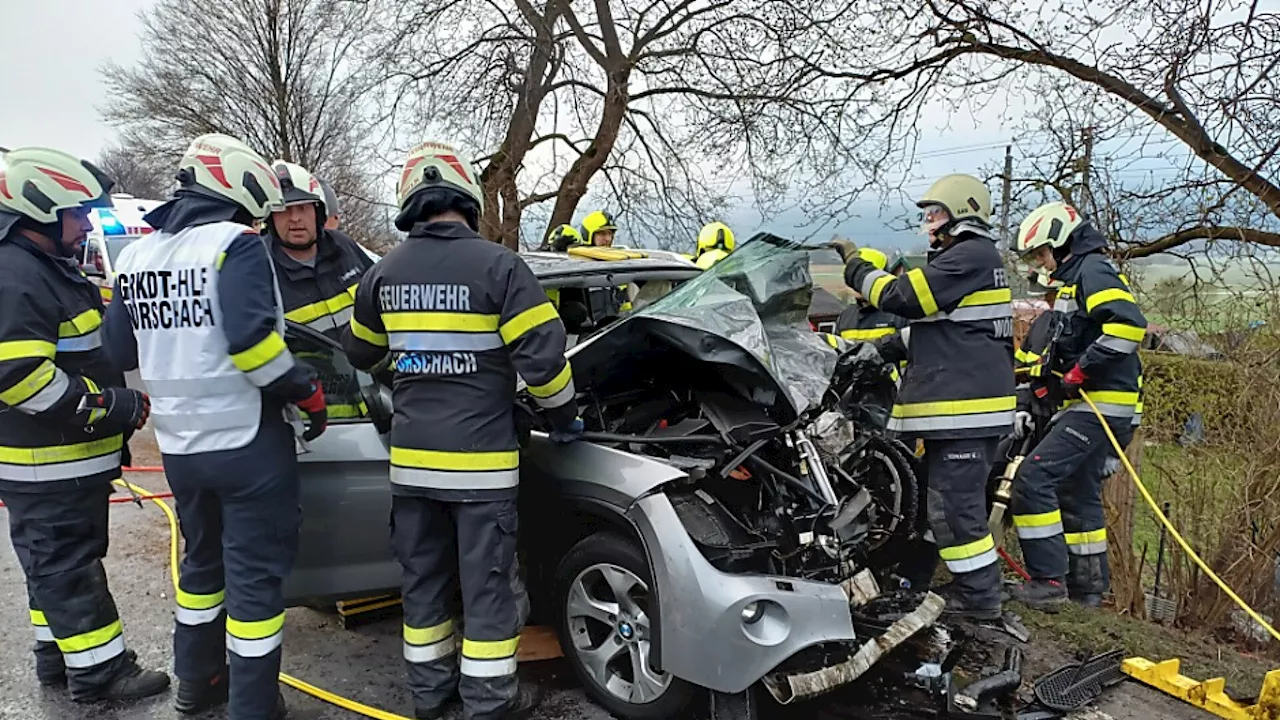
[748,313]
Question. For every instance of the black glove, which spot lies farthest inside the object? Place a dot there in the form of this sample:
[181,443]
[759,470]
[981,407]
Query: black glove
[125,408]
[317,412]
[566,426]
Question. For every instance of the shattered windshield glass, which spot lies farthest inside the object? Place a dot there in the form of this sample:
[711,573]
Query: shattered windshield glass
[758,298]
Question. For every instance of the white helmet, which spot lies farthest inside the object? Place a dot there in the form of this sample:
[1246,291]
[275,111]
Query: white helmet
[436,165]
[36,183]
[299,186]
[225,168]
[963,196]
[1050,224]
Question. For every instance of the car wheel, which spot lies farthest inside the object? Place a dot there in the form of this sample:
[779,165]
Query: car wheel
[605,610]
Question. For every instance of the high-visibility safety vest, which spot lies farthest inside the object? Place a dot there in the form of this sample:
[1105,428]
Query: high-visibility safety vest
[202,400]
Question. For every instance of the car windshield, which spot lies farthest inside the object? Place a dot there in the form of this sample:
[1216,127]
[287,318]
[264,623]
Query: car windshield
[116,244]
[757,298]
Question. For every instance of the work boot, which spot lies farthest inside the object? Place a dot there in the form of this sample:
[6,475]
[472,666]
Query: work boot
[1087,600]
[131,683]
[1047,596]
[197,696]
[961,605]
[282,710]
[528,697]
[50,670]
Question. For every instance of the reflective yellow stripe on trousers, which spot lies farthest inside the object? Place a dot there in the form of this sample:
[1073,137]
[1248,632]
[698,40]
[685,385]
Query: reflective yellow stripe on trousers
[422,645]
[970,556]
[1093,542]
[41,625]
[489,658]
[256,638]
[96,646]
[1038,526]
[198,609]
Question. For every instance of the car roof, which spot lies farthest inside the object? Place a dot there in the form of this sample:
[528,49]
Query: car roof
[564,268]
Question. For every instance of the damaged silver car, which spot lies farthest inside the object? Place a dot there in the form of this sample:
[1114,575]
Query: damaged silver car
[734,500]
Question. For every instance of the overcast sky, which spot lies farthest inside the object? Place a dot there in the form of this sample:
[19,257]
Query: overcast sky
[60,88]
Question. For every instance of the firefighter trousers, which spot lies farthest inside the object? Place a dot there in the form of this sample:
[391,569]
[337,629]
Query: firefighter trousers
[240,515]
[1057,502]
[432,539]
[60,539]
[956,473]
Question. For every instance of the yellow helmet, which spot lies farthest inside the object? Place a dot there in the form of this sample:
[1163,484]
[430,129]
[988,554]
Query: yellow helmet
[875,257]
[224,167]
[594,223]
[715,235]
[36,183]
[1049,224]
[963,196]
[560,238]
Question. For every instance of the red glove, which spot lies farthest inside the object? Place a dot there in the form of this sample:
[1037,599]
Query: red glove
[315,402]
[317,412]
[1072,381]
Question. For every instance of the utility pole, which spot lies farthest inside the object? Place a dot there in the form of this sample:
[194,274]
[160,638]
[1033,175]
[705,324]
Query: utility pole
[1006,197]
[1086,170]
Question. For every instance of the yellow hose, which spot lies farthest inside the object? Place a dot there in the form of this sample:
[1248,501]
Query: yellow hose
[293,682]
[1177,536]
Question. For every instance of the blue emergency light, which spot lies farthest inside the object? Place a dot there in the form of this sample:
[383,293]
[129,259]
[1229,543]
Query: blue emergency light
[111,224]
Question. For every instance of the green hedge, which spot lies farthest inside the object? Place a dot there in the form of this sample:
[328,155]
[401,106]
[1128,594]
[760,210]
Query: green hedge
[1175,387]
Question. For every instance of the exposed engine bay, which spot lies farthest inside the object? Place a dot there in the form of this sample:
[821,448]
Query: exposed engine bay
[780,434]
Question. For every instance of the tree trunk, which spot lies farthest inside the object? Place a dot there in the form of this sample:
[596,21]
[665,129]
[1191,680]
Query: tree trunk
[1119,499]
[574,184]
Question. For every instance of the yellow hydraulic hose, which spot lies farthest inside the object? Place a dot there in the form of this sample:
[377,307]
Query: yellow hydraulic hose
[293,682]
[1146,495]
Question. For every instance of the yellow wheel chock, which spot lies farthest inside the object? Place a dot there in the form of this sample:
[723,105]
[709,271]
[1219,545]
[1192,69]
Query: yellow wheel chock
[1209,695]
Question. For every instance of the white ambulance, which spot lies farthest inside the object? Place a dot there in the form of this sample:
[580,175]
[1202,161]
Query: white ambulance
[113,229]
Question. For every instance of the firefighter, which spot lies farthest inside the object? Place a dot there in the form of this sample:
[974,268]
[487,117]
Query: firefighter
[957,393]
[562,238]
[197,312]
[64,419]
[1035,406]
[318,270]
[461,317]
[599,229]
[862,320]
[1057,502]
[331,205]
[715,242]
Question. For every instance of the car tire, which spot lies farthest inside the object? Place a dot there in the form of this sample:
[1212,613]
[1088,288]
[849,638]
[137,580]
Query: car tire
[590,572]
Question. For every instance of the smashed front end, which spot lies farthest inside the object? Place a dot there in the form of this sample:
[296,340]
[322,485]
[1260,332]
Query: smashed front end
[720,421]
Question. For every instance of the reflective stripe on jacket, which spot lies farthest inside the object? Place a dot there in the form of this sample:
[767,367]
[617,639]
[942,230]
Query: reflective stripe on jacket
[959,376]
[51,357]
[461,317]
[206,393]
[1103,328]
[320,296]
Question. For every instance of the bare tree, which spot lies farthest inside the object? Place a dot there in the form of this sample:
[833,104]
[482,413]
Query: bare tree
[1200,73]
[136,173]
[666,108]
[282,75]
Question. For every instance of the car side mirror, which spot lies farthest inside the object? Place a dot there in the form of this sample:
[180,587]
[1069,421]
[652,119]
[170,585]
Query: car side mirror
[92,271]
[377,400]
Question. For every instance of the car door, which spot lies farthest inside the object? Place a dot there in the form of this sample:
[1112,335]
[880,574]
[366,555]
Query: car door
[344,549]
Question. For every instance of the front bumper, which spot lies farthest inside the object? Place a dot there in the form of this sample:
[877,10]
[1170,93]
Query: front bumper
[702,637]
